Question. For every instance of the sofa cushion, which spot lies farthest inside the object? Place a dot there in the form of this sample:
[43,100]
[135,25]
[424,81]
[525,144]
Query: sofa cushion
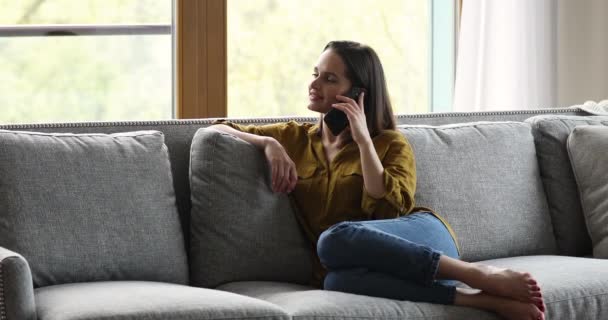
[307,303]
[588,151]
[573,288]
[240,228]
[135,300]
[484,179]
[90,207]
[550,135]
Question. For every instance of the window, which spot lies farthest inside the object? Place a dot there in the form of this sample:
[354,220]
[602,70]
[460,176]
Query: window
[96,60]
[273,45]
[65,60]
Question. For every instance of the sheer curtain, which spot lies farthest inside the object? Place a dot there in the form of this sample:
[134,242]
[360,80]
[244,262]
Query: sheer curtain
[523,54]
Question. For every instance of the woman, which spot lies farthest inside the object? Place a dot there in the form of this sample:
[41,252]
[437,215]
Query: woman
[355,195]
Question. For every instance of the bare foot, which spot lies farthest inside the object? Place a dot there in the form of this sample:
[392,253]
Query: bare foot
[516,310]
[494,281]
[508,309]
[506,283]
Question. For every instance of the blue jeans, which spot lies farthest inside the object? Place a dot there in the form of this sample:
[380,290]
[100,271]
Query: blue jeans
[391,258]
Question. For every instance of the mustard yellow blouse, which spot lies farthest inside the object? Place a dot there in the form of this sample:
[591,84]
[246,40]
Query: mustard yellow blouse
[328,193]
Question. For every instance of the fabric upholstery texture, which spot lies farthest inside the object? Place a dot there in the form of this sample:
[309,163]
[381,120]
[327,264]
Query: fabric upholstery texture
[16,289]
[139,300]
[588,151]
[240,229]
[179,133]
[307,303]
[550,135]
[572,287]
[484,179]
[90,207]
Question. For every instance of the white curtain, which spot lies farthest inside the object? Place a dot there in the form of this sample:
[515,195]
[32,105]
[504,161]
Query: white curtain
[528,54]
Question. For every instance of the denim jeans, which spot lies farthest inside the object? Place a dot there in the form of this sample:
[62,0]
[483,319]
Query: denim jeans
[390,258]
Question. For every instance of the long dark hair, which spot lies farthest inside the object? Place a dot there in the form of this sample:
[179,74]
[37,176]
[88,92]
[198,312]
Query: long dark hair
[363,69]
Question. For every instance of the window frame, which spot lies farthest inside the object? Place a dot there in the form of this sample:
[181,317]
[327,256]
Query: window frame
[444,25]
[201,59]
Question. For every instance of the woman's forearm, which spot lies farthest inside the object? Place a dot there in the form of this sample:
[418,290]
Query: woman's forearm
[373,170]
[258,141]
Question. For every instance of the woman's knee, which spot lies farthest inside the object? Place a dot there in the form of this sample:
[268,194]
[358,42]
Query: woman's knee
[336,239]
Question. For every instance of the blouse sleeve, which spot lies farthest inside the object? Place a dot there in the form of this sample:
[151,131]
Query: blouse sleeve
[399,182]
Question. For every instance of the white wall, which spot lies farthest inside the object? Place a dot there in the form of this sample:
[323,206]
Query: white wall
[582,51]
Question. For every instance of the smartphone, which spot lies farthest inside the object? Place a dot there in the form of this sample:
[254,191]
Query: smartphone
[336,120]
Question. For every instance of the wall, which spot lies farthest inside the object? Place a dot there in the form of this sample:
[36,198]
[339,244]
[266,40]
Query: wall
[582,51]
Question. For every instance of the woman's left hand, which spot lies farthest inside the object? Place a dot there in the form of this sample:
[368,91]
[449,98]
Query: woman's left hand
[356,117]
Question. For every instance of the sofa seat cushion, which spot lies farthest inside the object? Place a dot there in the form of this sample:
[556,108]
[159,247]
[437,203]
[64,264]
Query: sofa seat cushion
[134,300]
[483,177]
[307,303]
[91,207]
[573,288]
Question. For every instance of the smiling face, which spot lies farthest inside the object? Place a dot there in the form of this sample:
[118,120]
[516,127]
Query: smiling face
[329,79]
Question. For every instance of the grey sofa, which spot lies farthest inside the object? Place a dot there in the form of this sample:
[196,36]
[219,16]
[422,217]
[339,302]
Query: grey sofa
[502,179]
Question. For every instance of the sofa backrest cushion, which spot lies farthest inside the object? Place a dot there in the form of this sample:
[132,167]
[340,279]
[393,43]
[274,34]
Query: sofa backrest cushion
[240,229]
[550,136]
[90,207]
[484,179]
[588,151]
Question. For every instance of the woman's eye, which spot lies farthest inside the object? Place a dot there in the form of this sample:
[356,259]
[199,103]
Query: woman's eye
[329,78]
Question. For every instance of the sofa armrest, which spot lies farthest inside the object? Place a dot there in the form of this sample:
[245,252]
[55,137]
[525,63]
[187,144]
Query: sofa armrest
[16,287]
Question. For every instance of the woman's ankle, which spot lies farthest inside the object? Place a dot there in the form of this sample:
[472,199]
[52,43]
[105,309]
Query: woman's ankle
[453,269]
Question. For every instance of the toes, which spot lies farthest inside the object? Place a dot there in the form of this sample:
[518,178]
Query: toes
[534,288]
[539,304]
[536,294]
[539,314]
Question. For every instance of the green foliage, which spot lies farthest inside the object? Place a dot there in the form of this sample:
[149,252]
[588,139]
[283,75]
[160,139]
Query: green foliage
[54,79]
[273,46]
[85,78]
[84,12]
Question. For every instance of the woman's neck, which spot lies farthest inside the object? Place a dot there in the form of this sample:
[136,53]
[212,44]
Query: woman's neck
[338,141]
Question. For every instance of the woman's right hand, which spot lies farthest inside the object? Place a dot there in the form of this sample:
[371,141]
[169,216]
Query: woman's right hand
[284,174]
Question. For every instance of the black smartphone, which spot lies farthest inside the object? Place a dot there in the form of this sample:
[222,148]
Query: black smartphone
[336,120]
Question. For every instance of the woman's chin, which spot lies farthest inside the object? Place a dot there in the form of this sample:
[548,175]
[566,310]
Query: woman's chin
[318,108]
[315,108]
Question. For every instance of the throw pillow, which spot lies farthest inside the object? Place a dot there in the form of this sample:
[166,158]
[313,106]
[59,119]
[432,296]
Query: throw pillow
[90,207]
[588,151]
[483,177]
[550,135]
[240,229]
